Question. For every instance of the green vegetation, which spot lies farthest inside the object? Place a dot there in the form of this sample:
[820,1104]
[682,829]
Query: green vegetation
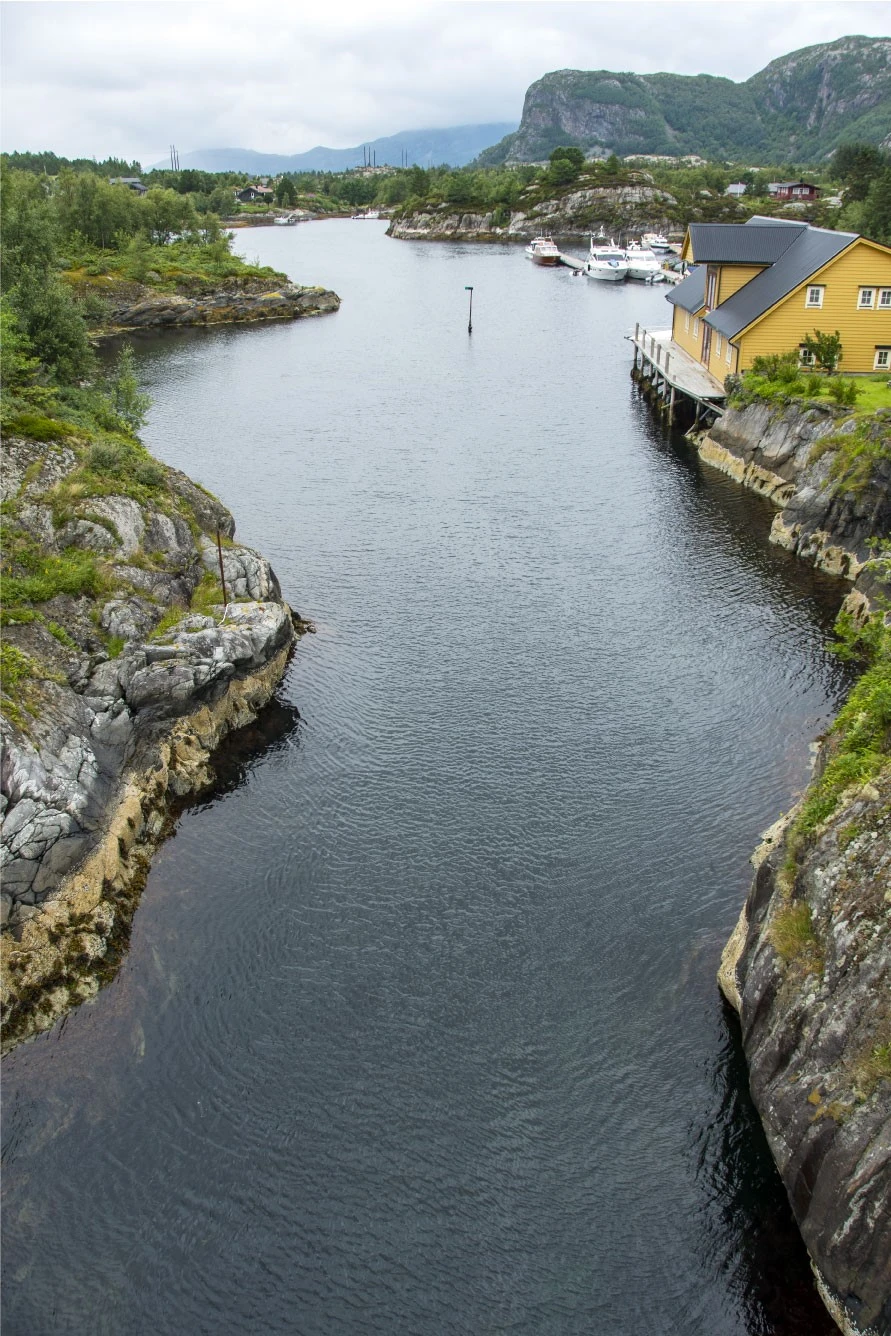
[761,120]
[860,738]
[873,1067]
[860,448]
[794,938]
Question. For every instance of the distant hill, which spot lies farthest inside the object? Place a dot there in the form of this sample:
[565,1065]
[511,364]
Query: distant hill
[798,109]
[456,146]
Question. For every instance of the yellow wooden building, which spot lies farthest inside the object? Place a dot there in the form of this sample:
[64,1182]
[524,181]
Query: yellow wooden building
[760,287]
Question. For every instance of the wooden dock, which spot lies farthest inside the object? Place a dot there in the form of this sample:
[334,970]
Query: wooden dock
[667,371]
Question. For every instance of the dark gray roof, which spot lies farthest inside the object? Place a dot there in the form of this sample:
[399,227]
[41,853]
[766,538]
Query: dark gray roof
[689,294]
[811,248]
[738,243]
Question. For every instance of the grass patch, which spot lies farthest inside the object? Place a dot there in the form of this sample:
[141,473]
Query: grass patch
[873,1067]
[61,635]
[859,452]
[74,572]
[860,739]
[208,595]
[37,427]
[172,617]
[17,671]
[114,645]
[793,936]
[874,392]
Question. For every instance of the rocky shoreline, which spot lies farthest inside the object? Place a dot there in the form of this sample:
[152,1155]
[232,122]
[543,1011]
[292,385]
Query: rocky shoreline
[148,308]
[127,688]
[808,967]
[622,211]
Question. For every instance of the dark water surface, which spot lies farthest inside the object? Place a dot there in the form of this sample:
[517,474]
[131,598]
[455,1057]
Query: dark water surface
[419,1031]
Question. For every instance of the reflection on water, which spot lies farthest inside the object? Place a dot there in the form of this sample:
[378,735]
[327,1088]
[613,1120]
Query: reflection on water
[419,1031]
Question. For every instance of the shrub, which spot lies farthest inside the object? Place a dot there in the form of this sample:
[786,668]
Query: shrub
[844,391]
[36,427]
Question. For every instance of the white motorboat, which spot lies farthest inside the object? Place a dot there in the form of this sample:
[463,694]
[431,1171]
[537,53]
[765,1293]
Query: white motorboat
[606,262]
[656,241]
[643,263]
[543,250]
[289,220]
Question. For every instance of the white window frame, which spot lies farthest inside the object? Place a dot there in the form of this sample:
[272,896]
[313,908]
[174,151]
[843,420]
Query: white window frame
[804,357]
[718,345]
[870,295]
[686,322]
[729,353]
[883,365]
[884,299]
[813,296]
[696,327]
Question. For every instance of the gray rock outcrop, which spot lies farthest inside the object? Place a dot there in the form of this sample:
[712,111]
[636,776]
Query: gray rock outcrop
[152,308]
[624,211]
[124,693]
[784,451]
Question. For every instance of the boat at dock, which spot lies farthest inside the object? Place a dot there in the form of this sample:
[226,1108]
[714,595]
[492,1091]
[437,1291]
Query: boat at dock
[606,262]
[643,263]
[543,250]
[290,220]
[656,241]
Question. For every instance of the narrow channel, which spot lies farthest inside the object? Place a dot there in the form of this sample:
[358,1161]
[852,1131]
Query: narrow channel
[419,1030]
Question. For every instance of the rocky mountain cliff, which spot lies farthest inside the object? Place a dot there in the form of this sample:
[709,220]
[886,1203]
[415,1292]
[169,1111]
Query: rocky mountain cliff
[799,108]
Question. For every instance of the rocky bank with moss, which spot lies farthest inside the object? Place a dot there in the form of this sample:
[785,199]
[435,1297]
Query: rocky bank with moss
[622,210]
[121,675]
[808,967]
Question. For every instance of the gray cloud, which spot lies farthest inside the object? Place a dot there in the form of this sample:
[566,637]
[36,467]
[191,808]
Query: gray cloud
[91,79]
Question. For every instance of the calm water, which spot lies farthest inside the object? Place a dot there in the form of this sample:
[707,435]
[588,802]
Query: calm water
[419,1031]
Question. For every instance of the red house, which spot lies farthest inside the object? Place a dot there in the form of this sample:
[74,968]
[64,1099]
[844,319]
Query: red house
[802,192]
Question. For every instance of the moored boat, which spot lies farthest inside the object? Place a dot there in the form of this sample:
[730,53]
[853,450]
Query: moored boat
[656,241]
[643,263]
[543,250]
[606,262]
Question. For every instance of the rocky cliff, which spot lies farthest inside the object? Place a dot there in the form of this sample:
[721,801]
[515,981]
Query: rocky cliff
[808,967]
[799,108]
[827,470]
[621,211]
[122,671]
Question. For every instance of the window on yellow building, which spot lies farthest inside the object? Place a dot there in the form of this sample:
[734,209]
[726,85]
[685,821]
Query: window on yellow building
[718,346]
[805,358]
[884,298]
[729,353]
[866,299]
[814,297]
[686,322]
[695,329]
[883,359]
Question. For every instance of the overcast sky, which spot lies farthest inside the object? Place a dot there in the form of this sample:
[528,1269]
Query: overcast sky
[129,79]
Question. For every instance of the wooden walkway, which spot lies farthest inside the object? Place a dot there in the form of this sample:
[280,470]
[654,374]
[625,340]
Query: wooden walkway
[670,370]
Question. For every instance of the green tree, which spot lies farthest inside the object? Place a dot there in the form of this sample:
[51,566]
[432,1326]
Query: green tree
[49,318]
[876,215]
[286,192]
[856,166]
[825,349]
[18,365]
[127,400]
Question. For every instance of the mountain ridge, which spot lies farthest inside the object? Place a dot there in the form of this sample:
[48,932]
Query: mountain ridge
[798,108]
[456,145]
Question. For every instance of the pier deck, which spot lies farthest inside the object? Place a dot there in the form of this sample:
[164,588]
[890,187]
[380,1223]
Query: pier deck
[676,369]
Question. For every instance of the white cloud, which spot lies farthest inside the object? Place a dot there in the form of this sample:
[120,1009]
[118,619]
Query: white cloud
[125,78]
